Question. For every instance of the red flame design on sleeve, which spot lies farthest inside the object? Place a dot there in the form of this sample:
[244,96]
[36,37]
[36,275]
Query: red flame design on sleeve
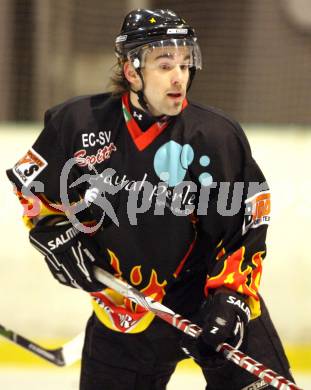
[221,253]
[232,276]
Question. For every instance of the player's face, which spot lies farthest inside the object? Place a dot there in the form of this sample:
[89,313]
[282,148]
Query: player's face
[166,75]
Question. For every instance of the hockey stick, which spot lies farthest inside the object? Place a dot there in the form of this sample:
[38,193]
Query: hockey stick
[62,356]
[71,351]
[193,330]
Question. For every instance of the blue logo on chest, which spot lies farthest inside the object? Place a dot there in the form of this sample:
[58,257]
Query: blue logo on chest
[172,160]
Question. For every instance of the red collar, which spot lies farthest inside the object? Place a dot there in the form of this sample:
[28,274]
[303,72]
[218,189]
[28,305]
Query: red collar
[142,139]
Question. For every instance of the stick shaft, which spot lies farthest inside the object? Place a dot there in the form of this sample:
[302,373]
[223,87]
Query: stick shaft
[52,355]
[256,368]
[193,330]
[63,356]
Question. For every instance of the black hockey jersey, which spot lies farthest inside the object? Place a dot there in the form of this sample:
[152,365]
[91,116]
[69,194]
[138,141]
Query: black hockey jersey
[184,207]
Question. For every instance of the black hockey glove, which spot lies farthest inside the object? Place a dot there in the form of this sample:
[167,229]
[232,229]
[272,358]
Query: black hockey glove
[223,318]
[69,254]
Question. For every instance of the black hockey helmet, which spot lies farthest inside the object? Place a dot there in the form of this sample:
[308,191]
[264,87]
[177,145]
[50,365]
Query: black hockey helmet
[143,26]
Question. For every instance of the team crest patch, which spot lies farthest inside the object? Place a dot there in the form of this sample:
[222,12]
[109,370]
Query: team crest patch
[29,167]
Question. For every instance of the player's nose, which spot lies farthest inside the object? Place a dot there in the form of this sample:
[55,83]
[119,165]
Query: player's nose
[177,75]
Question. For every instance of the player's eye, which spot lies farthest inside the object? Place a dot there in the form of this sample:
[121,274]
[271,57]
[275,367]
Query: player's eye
[165,66]
[184,66]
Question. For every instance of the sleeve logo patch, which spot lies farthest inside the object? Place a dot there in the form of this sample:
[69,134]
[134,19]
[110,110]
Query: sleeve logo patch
[257,211]
[29,167]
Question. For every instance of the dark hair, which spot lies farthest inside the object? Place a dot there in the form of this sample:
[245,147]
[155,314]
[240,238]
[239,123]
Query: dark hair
[118,82]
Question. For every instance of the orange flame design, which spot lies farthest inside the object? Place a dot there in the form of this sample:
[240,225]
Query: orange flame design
[246,282]
[256,274]
[221,253]
[114,262]
[154,289]
[31,204]
[136,276]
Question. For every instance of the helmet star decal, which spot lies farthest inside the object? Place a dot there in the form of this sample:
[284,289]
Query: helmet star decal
[152,20]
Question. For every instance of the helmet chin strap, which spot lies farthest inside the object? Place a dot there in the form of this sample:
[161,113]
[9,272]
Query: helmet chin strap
[142,102]
[191,77]
[140,93]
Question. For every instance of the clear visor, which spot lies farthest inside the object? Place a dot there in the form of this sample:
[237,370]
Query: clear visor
[167,54]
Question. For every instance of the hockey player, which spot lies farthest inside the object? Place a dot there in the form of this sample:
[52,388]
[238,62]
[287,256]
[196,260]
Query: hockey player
[181,211]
